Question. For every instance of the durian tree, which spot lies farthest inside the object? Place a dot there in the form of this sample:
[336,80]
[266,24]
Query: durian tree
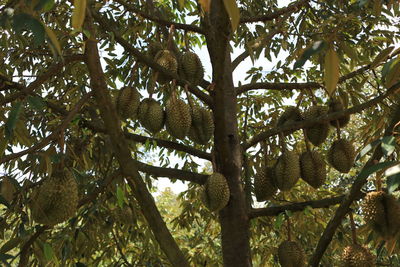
[100,99]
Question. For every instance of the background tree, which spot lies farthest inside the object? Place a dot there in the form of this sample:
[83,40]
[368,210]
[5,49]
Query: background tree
[66,121]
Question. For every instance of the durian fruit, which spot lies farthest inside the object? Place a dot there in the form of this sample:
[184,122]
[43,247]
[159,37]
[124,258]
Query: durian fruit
[153,49]
[151,115]
[313,168]
[8,189]
[191,68]
[264,186]
[357,256]
[178,117]
[167,60]
[317,133]
[202,127]
[287,170]
[289,116]
[215,194]
[55,200]
[341,155]
[291,254]
[127,102]
[381,211]
[334,106]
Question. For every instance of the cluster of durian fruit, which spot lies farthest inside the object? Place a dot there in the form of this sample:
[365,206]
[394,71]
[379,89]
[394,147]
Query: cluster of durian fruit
[180,119]
[309,165]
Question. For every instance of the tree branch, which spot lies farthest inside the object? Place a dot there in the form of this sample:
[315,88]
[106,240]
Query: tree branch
[329,117]
[150,62]
[160,21]
[343,209]
[275,14]
[51,72]
[315,204]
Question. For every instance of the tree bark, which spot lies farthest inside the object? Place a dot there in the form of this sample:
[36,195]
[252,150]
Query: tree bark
[233,218]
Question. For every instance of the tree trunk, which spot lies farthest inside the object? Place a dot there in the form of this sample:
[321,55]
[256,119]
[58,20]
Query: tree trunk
[233,218]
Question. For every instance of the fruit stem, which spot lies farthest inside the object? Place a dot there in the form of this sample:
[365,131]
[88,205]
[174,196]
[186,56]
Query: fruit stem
[289,228]
[282,141]
[337,128]
[306,140]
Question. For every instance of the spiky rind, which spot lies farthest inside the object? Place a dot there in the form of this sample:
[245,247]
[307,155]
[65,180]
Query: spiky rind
[215,194]
[151,115]
[153,48]
[127,102]
[313,168]
[178,118]
[334,106]
[291,254]
[287,170]
[202,127]
[357,256]
[55,200]
[167,60]
[341,155]
[381,212]
[191,68]
[289,116]
[264,187]
[317,133]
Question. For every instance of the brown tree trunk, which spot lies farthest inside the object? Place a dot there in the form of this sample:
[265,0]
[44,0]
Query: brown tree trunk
[234,218]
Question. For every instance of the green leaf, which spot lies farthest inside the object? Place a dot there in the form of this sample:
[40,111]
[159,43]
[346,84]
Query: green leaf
[233,12]
[388,145]
[53,39]
[78,15]
[10,244]
[365,172]
[5,257]
[24,21]
[381,56]
[181,3]
[312,50]
[120,197]
[279,221]
[44,5]
[393,73]
[12,119]
[368,148]
[48,251]
[331,75]
[36,103]
[393,182]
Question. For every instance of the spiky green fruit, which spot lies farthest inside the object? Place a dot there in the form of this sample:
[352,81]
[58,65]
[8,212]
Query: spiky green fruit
[264,187]
[127,102]
[215,195]
[341,155]
[313,168]
[202,127]
[151,115]
[153,49]
[287,170]
[381,212]
[191,68]
[178,118]
[291,254]
[55,200]
[357,256]
[317,133]
[167,60]
[335,106]
[289,116]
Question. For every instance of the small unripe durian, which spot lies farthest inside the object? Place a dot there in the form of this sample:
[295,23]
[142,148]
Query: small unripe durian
[167,60]
[357,256]
[289,116]
[291,254]
[178,117]
[202,127]
[313,168]
[55,200]
[334,106]
[287,170]
[191,68]
[215,195]
[151,115]
[317,133]
[264,186]
[127,102]
[341,155]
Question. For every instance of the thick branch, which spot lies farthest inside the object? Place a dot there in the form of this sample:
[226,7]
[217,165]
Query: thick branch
[343,209]
[331,116]
[160,21]
[172,173]
[123,154]
[150,62]
[294,7]
[51,72]
[315,204]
